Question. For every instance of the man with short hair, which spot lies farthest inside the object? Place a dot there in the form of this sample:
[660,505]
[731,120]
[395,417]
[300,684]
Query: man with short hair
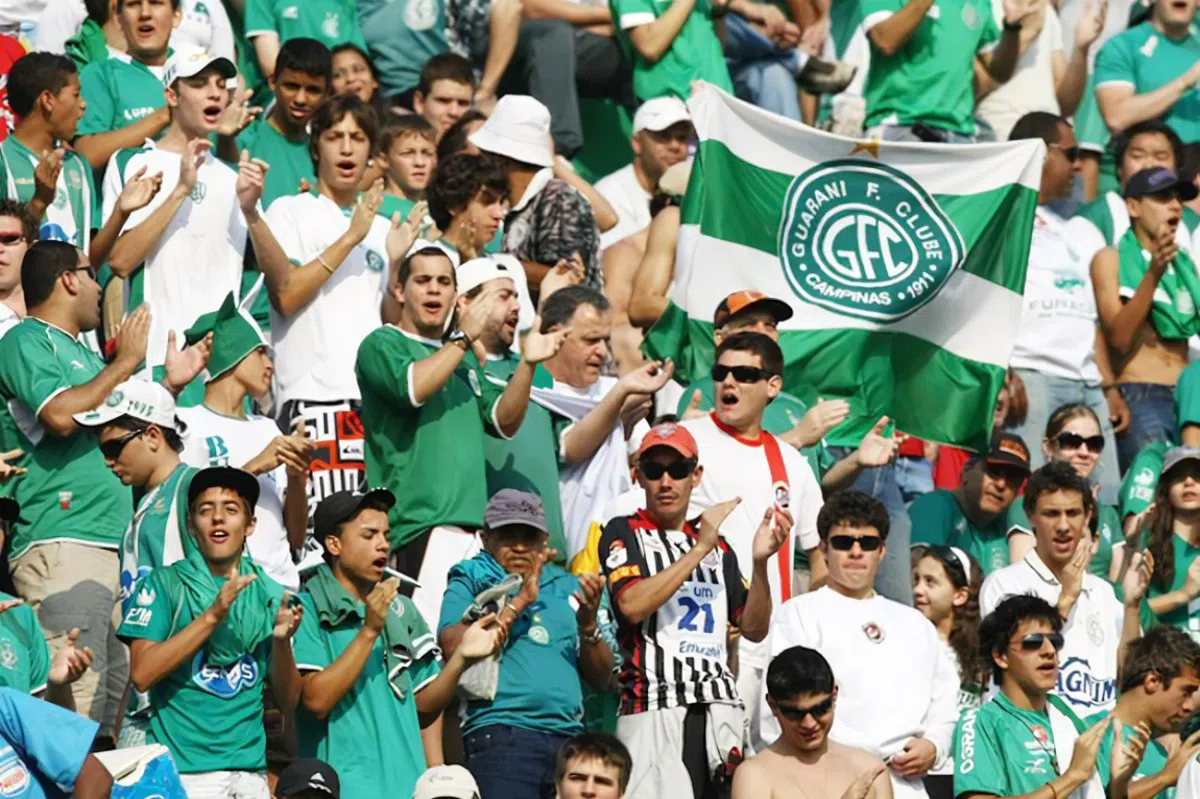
[974,516]
[592,765]
[371,677]
[1095,624]
[864,635]
[205,635]
[445,90]
[18,232]
[678,591]
[408,149]
[662,131]
[801,693]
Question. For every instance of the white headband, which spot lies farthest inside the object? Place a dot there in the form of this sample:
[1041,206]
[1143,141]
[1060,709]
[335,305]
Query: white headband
[963,561]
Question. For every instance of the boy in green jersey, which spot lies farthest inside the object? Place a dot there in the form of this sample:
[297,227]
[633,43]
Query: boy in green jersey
[1158,692]
[371,678]
[408,149]
[205,633]
[1025,739]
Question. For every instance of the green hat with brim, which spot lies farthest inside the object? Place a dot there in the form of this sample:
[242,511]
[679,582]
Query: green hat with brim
[235,333]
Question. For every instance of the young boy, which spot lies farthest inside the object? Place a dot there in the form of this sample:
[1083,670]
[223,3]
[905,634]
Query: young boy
[303,70]
[204,633]
[445,90]
[408,149]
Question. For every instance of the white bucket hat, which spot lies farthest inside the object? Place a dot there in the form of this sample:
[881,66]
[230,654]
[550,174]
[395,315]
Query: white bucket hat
[520,129]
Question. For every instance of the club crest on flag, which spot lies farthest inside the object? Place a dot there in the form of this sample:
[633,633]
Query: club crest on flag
[865,240]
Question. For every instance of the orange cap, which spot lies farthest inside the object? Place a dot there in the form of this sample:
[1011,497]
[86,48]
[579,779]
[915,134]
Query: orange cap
[669,434]
[739,301]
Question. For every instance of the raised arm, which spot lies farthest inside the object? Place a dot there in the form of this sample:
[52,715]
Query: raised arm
[648,300]
[97,148]
[1121,319]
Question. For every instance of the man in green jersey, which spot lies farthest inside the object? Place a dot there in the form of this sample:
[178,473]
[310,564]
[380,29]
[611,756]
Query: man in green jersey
[973,517]
[1025,739]
[371,677]
[1158,692]
[303,71]
[205,633]
[670,45]
[426,406]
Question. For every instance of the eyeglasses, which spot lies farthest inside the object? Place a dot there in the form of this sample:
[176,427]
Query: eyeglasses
[845,543]
[1072,153]
[654,470]
[112,449]
[9,239]
[796,713]
[742,374]
[91,271]
[1033,642]
[1075,441]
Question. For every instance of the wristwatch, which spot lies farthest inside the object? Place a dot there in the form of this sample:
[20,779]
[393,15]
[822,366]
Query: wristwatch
[460,340]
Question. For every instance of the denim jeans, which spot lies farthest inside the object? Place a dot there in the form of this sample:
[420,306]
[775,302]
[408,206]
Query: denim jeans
[762,73]
[888,132]
[512,763]
[1151,418]
[914,476]
[1046,394]
[894,579]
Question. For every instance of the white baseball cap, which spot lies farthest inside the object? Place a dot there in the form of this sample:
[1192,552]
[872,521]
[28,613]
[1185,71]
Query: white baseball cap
[139,399]
[186,63]
[478,271]
[446,782]
[519,128]
[660,113]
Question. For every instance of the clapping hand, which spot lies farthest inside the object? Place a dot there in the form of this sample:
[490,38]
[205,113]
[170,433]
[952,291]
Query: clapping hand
[538,346]
[228,594]
[591,588]
[711,521]
[876,449]
[287,618]
[365,211]
[182,366]
[138,191]
[251,180]
[237,115]
[820,419]
[482,638]
[45,176]
[1090,23]
[190,163]
[402,235]
[70,662]
[772,533]
[1125,758]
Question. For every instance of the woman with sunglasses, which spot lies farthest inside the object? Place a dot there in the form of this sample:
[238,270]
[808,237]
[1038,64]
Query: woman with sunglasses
[946,584]
[1171,537]
[1074,435]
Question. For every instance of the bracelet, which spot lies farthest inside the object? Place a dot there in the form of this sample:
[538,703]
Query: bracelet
[590,638]
[321,261]
[1053,790]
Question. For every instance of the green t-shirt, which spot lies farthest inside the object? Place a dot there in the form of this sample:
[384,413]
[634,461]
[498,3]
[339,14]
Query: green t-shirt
[1141,480]
[1185,617]
[1003,750]
[24,656]
[1146,60]
[331,22]
[247,59]
[781,415]
[694,54]
[931,78]
[434,444]
[119,92]
[529,461]
[290,160]
[401,36]
[158,534]
[69,492]
[373,736]
[75,212]
[393,205]
[1109,529]
[209,717]
[1154,759]
[938,519]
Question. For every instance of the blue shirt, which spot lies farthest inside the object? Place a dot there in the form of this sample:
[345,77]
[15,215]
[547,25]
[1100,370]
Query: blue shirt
[539,687]
[42,747]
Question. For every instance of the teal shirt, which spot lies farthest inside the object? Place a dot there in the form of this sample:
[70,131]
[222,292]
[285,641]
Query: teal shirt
[393,205]
[1146,60]
[290,161]
[937,519]
[539,685]
[158,534]
[1154,759]
[330,22]
[119,92]
[24,656]
[401,36]
[372,735]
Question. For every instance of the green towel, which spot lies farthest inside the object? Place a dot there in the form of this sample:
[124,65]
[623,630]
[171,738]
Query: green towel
[1173,312]
[89,45]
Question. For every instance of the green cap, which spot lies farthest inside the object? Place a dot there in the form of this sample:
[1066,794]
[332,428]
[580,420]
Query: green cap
[235,333]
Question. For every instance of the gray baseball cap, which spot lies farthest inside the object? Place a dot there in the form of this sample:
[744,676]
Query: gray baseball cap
[1177,455]
[510,506]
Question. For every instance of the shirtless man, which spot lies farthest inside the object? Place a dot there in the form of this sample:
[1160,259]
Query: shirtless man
[1146,297]
[803,762]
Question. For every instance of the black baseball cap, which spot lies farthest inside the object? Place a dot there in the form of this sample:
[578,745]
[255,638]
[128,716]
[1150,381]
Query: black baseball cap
[1008,449]
[1159,180]
[10,511]
[240,480]
[343,506]
[308,775]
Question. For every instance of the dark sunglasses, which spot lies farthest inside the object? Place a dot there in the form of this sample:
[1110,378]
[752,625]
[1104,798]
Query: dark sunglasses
[742,374]
[654,470]
[1075,441]
[1033,642]
[796,713]
[845,543]
[1072,153]
[9,239]
[112,449]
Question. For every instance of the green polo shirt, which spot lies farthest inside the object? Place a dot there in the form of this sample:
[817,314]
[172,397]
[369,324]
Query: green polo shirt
[1109,529]
[290,160]
[401,36]
[331,22]
[694,54]
[372,735]
[75,212]
[1146,60]
[931,78]
[539,686]
[24,656]
[69,493]
[1154,759]
[409,443]
[938,519]
[119,92]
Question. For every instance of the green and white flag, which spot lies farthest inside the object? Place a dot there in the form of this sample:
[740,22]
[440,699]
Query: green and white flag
[904,263]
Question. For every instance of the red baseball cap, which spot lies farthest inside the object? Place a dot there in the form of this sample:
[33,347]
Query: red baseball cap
[739,301]
[669,434]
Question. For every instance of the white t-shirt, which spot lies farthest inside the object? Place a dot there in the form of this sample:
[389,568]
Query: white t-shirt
[213,439]
[895,678]
[1031,87]
[1058,324]
[1087,664]
[198,260]
[628,199]
[8,319]
[1188,786]
[316,347]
